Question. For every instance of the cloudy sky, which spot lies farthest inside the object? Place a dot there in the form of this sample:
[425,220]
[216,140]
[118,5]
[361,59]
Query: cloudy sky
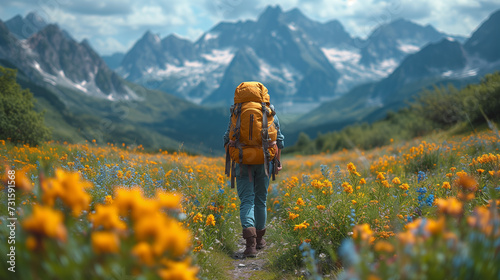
[114,25]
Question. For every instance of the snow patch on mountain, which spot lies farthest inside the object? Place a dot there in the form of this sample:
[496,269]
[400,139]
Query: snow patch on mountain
[352,73]
[283,74]
[408,48]
[185,76]
[340,58]
[464,73]
[210,36]
[157,39]
[219,56]
[88,87]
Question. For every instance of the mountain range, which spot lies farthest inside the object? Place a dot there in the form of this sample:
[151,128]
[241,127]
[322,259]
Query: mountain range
[161,92]
[84,99]
[298,59]
[447,61]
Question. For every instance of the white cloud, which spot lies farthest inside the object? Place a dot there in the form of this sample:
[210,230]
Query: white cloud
[109,45]
[126,20]
[194,33]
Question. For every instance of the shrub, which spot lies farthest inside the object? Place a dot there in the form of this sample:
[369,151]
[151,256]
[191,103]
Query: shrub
[18,121]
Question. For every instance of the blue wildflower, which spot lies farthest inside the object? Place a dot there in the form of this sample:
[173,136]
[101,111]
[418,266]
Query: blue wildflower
[409,219]
[352,217]
[348,253]
[306,178]
[422,191]
[325,171]
[430,200]
[421,176]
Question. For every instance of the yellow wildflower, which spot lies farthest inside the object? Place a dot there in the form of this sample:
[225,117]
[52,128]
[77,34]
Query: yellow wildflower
[45,221]
[168,200]
[108,200]
[198,248]
[292,216]
[70,188]
[406,237]
[198,217]
[31,243]
[126,199]
[371,276]
[178,270]
[300,202]
[21,181]
[362,232]
[384,246]
[144,207]
[396,181]
[404,186]
[144,253]
[435,227]
[467,182]
[210,220]
[105,242]
[446,185]
[166,233]
[482,219]
[451,206]
[302,225]
[347,187]
[351,167]
[107,216]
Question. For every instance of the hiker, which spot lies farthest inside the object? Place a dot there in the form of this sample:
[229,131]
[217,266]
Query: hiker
[253,143]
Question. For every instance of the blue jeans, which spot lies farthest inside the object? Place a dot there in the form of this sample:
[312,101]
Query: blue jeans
[253,195]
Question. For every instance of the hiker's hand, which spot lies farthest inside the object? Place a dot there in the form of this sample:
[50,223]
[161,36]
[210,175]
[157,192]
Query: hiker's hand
[279,162]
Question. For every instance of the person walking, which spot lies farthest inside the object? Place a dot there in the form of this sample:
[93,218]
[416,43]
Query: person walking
[253,143]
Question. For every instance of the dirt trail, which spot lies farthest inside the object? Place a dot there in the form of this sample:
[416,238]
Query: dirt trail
[245,268]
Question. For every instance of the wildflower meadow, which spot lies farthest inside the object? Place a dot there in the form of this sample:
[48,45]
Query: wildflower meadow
[421,209]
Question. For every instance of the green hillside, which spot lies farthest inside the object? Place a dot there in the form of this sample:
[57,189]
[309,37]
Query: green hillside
[358,106]
[156,120]
[437,108]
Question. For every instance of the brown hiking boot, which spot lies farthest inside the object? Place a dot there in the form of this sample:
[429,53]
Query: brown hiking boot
[250,235]
[261,243]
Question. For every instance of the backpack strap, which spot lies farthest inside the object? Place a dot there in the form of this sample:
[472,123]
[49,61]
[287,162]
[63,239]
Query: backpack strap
[233,173]
[275,169]
[227,170]
[237,131]
[265,138]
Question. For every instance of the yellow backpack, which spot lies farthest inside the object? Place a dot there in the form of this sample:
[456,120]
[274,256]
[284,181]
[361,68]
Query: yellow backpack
[252,133]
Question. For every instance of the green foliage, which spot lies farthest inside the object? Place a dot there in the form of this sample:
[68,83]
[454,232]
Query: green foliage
[19,122]
[440,108]
[449,247]
[450,106]
[321,209]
